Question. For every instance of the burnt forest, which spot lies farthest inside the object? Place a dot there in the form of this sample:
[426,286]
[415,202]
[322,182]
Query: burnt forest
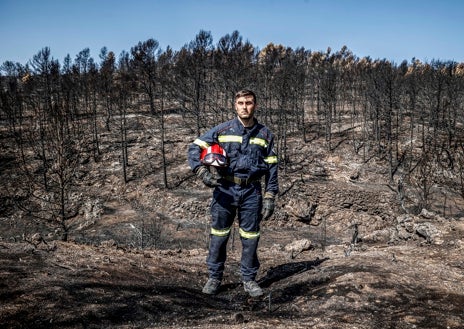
[103,224]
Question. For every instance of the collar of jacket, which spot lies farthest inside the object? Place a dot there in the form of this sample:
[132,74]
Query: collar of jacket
[242,127]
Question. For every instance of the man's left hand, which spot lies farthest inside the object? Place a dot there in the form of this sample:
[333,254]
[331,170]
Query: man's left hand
[268,205]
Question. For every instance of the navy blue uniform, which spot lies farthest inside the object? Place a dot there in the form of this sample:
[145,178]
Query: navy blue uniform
[252,157]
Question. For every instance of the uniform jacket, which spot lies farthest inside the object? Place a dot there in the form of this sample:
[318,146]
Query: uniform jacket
[250,151]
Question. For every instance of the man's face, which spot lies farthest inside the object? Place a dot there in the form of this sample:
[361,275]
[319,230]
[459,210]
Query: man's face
[245,107]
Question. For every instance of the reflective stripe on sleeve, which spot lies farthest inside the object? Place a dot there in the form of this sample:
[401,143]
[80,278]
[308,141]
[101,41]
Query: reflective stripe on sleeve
[259,141]
[271,159]
[201,143]
[221,232]
[248,235]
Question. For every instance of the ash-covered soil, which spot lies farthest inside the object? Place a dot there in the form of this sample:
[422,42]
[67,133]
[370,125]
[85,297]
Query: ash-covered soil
[411,284]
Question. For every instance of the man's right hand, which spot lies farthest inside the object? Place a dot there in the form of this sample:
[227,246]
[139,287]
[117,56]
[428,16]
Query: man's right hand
[207,178]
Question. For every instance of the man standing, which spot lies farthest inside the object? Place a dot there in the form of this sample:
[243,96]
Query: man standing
[249,147]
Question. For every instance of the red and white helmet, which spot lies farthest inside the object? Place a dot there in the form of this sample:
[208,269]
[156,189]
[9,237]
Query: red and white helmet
[215,156]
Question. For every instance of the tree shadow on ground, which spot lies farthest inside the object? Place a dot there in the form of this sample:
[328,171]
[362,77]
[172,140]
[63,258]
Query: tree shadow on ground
[284,271]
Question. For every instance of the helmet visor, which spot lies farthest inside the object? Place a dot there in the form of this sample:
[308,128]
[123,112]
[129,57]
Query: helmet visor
[215,159]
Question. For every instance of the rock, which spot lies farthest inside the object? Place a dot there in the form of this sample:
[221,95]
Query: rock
[377,236]
[195,252]
[108,243]
[429,232]
[298,246]
[239,318]
[427,214]
[36,239]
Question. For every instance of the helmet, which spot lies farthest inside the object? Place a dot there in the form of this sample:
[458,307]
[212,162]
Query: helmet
[215,156]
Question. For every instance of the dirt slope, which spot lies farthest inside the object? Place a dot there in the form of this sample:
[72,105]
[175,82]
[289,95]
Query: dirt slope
[338,252]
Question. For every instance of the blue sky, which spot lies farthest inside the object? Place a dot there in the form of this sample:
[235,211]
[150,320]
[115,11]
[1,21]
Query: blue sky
[391,29]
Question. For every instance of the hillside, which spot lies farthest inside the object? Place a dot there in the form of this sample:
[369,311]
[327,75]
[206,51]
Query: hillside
[338,253]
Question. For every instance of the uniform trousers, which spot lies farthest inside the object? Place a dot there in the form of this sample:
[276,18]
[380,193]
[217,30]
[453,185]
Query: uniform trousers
[245,202]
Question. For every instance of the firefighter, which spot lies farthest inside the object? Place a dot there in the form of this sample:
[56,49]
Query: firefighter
[241,152]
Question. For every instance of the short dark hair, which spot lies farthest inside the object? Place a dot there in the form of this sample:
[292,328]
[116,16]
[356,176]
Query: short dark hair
[245,92]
